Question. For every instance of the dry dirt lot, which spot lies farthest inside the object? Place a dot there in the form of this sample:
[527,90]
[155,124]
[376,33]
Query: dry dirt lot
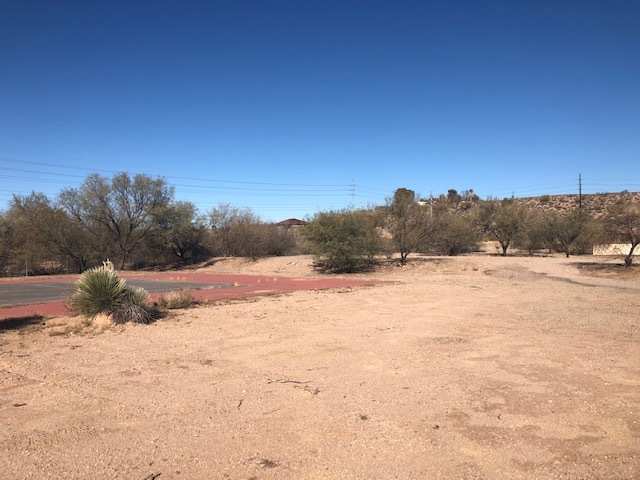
[475,367]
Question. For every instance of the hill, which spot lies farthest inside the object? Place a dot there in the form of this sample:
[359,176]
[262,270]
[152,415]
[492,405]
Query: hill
[596,204]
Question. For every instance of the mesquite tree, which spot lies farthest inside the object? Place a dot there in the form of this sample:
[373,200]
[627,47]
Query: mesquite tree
[622,223]
[504,221]
[410,223]
[119,213]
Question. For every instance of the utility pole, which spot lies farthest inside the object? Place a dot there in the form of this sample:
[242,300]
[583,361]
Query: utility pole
[580,190]
[431,203]
[353,193]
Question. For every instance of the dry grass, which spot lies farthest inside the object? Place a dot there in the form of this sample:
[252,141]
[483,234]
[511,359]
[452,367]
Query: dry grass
[176,300]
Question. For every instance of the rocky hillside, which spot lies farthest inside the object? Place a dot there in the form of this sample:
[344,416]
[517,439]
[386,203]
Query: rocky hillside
[596,204]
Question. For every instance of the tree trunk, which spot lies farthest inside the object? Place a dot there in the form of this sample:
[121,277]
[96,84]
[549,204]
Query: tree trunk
[628,260]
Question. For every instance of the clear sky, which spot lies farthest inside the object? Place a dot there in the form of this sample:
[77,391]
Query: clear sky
[289,107]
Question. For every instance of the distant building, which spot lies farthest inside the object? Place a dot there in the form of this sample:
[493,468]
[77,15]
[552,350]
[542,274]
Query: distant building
[292,227]
[291,222]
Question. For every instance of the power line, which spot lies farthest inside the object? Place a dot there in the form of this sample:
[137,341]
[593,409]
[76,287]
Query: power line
[199,179]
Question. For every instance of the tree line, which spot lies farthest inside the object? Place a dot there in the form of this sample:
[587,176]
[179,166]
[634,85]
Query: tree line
[137,223]
[133,221]
[454,224]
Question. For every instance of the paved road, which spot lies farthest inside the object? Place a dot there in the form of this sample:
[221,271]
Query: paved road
[21,298]
[39,292]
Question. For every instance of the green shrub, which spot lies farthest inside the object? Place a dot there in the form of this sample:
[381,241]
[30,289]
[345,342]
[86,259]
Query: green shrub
[343,241]
[98,290]
[176,300]
[456,234]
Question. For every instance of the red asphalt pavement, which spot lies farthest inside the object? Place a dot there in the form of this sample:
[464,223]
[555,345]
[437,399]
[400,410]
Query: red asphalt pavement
[244,286]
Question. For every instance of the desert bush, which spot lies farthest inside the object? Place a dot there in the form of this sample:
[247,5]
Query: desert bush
[572,232]
[176,300]
[98,290]
[48,236]
[280,241]
[569,233]
[622,224]
[502,221]
[343,241]
[238,232]
[538,233]
[411,225]
[183,231]
[455,234]
[134,307]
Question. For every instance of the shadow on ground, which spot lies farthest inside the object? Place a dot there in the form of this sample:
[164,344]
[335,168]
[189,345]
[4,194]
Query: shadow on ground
[17,323]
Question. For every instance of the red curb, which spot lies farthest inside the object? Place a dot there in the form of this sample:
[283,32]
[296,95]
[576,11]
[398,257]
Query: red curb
[244,286]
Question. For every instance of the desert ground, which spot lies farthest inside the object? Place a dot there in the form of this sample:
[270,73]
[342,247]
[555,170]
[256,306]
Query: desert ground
[470,367]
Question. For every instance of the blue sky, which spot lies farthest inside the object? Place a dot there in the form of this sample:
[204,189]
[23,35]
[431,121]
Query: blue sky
[291,107]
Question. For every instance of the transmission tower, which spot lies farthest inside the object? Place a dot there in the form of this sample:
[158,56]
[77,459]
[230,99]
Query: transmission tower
[580,190]
[353,194]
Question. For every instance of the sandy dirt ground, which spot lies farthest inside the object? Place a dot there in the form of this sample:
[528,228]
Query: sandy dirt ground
[473,367]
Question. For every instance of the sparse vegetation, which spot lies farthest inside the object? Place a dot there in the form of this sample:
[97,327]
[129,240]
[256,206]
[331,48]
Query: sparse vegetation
[134,307]
[176,300]
[135,221]
[536,234]
[568,230]
[456,234]
[623,224]
[410,224]
[503,221]
[237,232]
[343,241]
[100,291]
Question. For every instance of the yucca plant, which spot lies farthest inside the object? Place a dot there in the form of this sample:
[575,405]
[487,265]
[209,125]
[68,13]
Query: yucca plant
[99,290]
[134,307]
